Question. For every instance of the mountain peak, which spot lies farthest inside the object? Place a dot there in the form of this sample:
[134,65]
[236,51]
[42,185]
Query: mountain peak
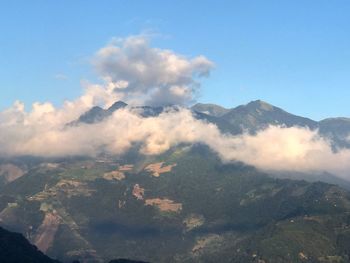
[117,105]
[95,114]
[260,104]
[210,109]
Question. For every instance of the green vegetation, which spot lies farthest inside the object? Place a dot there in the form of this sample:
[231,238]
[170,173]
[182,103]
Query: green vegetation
[238,213]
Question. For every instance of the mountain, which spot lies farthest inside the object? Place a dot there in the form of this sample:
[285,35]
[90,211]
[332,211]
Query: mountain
[258,114]
[14,248]
[252,117]
[184,205]
[337,129]
[97,114]
[116,106]
[148,111]
[210,109]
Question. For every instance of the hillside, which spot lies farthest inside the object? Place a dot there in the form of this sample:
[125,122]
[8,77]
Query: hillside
[183,206]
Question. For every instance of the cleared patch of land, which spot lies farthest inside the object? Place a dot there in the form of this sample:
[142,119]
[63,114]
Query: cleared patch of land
[193,221]
[69,187]
[165,205]
[118,174]
[138,192]
[157,168]
[10,172]
[114,175]
[46,231]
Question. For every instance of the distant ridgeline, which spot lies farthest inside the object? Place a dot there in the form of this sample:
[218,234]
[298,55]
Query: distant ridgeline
[251,117]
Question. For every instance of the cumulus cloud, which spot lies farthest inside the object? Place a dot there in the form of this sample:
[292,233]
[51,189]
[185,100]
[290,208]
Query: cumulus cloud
[150,75]
[294,149]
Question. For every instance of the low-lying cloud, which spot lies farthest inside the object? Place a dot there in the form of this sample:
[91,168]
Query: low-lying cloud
[275,148]
[134,71]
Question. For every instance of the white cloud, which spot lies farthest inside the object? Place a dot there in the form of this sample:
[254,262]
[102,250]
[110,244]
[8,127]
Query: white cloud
[40,133]
[153,76]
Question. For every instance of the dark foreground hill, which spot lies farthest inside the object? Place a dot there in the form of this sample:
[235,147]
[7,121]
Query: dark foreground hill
[14,248]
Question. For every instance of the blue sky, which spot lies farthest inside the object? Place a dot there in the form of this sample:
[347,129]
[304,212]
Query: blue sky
[293,54]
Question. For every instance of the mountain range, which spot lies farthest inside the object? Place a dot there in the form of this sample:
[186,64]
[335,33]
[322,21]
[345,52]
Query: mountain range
[184,205]
[251,117]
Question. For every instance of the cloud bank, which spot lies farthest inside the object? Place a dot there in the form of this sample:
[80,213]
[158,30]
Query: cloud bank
[275,148]
[133,70]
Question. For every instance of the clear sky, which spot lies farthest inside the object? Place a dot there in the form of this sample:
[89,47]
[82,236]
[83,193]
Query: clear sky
[294,54]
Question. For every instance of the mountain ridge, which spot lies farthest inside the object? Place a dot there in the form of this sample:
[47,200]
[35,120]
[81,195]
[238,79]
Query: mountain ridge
[252,117]
[211,109]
